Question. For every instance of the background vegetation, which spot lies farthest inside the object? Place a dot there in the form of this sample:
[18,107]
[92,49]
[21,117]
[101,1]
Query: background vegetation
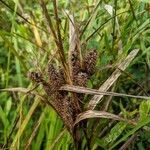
[114,28]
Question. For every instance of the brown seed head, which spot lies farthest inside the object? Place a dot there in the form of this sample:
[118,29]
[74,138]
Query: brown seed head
[81,79]
[90,62]
[75,63]
[56,78]
[35,76]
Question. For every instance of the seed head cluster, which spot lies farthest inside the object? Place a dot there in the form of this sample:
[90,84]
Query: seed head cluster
[61,101]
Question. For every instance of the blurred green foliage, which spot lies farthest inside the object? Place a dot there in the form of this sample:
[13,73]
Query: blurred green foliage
[26,122]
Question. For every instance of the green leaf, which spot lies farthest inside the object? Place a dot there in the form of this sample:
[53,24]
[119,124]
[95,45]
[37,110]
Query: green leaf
[113,135]
[8,106]
[40,136]
[144,109]
[144,1]
[3,117]
[140,146]
[131,132]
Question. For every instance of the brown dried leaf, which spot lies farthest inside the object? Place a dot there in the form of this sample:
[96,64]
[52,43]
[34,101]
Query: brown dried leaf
[97,114]
[85,90]
[17,89]
[26,91]
[74,54]
[112,79]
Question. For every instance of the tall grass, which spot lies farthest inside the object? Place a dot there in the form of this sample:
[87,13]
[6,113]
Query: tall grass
[111,111]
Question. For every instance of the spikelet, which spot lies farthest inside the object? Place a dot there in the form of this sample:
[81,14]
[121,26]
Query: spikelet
[75,63]
[56,78]
[60,99]
[81,79]
[35,76]
[62,75]
[67,112]
[61,104]
[48,88]
[90,62]
[52,73]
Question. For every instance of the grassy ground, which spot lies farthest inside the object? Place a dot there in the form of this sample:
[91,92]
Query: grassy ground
[35,34]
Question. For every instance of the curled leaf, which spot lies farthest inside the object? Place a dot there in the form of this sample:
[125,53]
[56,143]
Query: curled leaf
[97,114]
